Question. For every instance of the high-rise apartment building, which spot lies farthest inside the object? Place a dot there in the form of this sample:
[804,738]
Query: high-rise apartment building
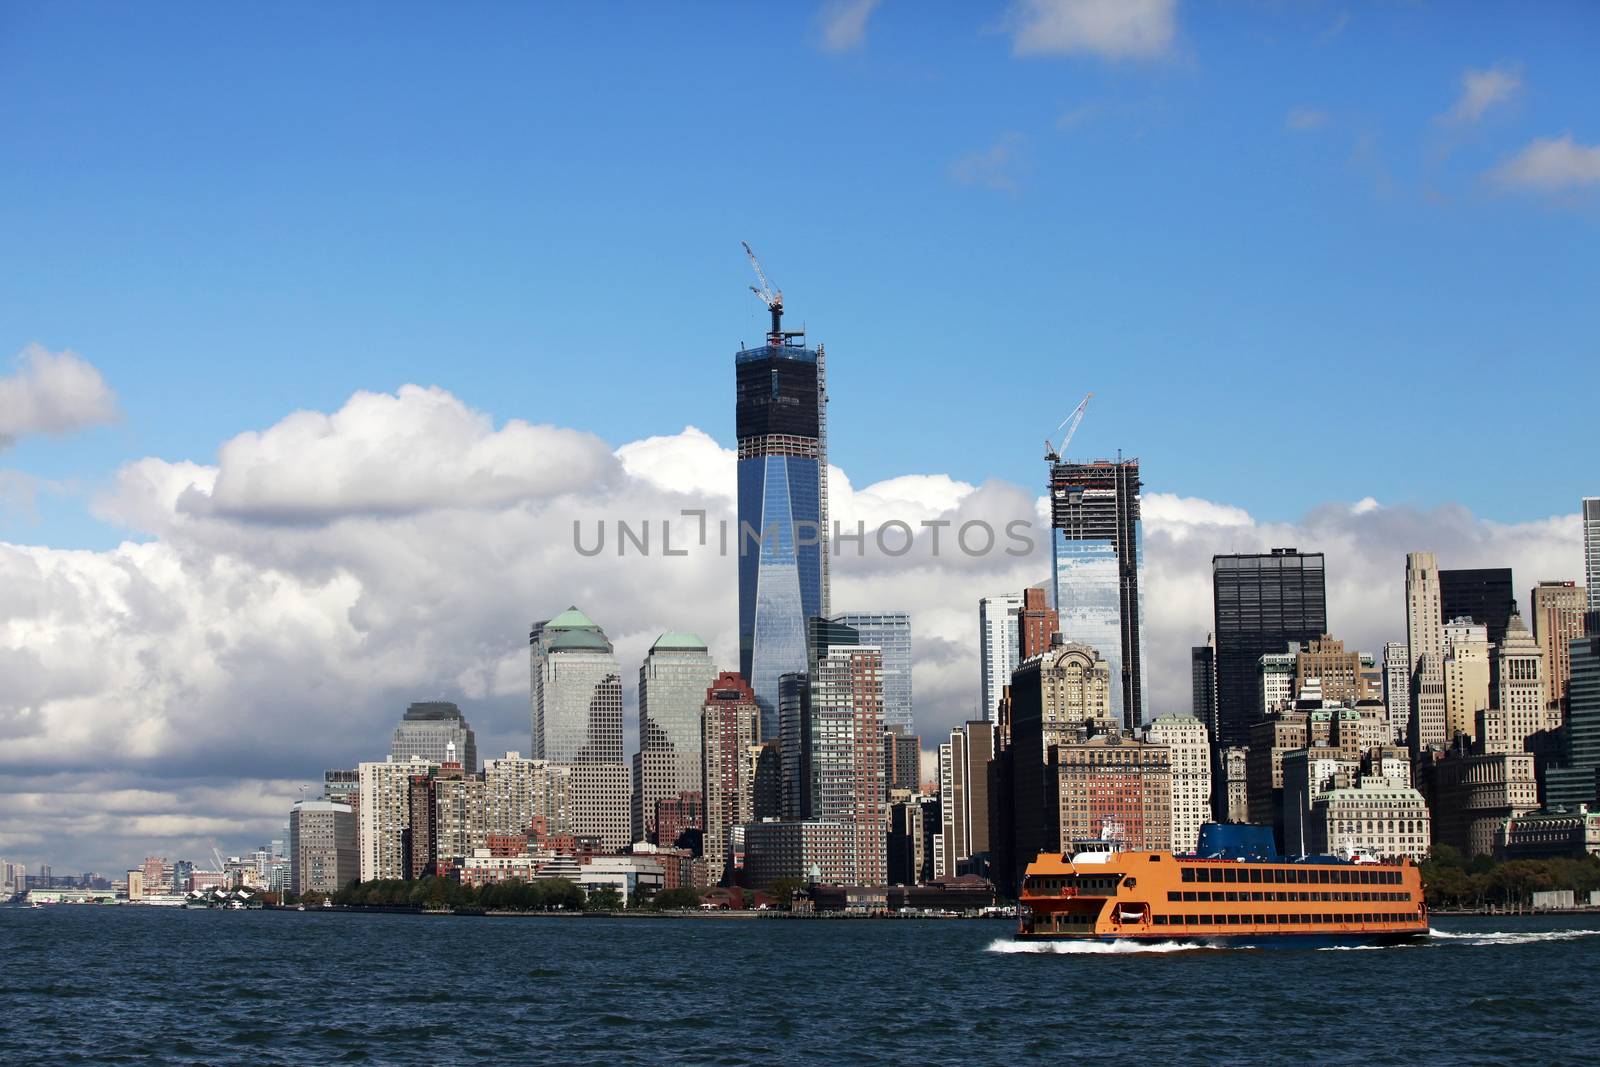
[577,720]
[1522,687]
[672,692]
[1483,594]
[730,727]
[1557,609]
[998,648]
[385,815]
[430,727]
[889,631]
[1397,687]
[1037,623]
[780,416]
[1186,738]
[902,761]
[1591,550]
[1261,602]
[322,846]
[1466,675]
[1425,643]
[526,796]
[459,827]
[1098,565]
[964,799]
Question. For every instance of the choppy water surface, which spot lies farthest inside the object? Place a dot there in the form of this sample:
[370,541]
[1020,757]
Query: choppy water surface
[108,985]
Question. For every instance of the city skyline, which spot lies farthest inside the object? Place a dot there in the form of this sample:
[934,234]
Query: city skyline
[281,596]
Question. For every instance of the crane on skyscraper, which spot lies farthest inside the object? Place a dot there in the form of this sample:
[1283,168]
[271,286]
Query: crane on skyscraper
[771,297]
[1054,453]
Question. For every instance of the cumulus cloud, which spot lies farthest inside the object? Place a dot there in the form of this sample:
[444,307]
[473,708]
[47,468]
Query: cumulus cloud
[1550,165]
[1113,29]
[1482,90]
[844,24]
[1000,166]
[1305,118]
[52,393]
[176,690]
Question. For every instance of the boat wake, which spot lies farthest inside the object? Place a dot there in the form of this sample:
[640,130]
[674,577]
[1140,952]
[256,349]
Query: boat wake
[1511,937]
[1098,948]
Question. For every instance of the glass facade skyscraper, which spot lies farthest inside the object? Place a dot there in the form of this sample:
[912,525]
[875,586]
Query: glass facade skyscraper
[780,420]
[891,632]
[1261,602]
[1098,562]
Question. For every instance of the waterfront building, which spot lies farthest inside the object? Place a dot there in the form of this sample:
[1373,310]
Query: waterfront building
[902,761]
[812,850]
[1037,624]
[385,816]
[780,420]
[1466,675]
[1098,565]
[672,693]
[521,794]
[1522,686]
[1471,794]
[1542,835]
[1591,549]
[428,728]
[421,833]
[730,726]
[1186,738]
[1577,781]
[1482,594]
[577,720]
[1425,643]
[459,809]
[890,633]
[630,875]
[1115,788]
[1375,816]
[999,637]
[322,846]
[1261,602]
[1557,609]
[1397,688]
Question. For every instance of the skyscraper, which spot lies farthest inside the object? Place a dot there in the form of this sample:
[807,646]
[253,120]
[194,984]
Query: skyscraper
[730,719]
[672,691]
[1483,594]
[1466,676]
[1591,550]
[577,720]
[1037,623]
[1578,780]
[1203,682]
[1521,686]
[1261,602]
[889,631]
[1098,559]
[1186,737]
[1557,622]
[998,647]
[780,416]
[322,846]
[1425,643]
[1397,686]
[428,728]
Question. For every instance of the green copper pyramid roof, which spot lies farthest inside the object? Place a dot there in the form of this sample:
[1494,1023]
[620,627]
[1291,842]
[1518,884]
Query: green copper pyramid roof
[681,641]
[571,619]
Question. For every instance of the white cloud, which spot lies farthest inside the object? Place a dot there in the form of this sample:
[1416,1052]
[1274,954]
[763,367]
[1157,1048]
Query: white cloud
[1000,166]
[167,693]
[1482,90]
[1305,118]
[1550,165]
[1114,29]
[54,393]
[844,24]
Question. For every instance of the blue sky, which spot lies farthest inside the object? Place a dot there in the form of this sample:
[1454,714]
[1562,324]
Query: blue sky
[1285,272]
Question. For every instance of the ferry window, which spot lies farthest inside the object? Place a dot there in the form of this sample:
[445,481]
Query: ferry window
[1191,920]
[1160,920]
[1255,874]
[1173,894]
[1190,894]
[1188,874]
[1230,874]
[1233,920]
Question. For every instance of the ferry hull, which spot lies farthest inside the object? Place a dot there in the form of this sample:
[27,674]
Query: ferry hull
[1258,940]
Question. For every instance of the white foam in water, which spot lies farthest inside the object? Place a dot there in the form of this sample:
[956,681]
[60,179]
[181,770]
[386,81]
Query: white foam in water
[1099,948]
[1511,937]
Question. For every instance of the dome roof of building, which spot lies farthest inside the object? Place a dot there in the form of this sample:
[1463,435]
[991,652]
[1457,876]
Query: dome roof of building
[571,619]
[580,641]
[682,641]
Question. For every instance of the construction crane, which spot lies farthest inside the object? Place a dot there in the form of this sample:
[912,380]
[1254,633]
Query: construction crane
[1054,453]
[773,298]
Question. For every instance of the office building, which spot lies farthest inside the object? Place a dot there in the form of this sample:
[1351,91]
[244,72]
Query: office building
[817,851]
[1591,549]
[1483,594]
[1397,687]
[1466,675]
[385,816]
[1276,671]
[999,639]
[964,799]
[1342,676]
[910,859]
[780,417]
[890,632]
[1308,774]
[673,681]
[1522,686]
[526,796]
[1373,816]
[322,847]
[428,728]
[1471,793]
[1261,602]
[1577,781]
[1115,789]
[902,761]
[577,720]
[730,728]
[1425,643]
[1203,683]
[1557,609]
[1189,744]
[1098,564]
[1235,788]
[1037,623]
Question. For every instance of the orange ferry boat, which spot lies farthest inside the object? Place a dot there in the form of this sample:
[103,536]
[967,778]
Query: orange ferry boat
[1236,889]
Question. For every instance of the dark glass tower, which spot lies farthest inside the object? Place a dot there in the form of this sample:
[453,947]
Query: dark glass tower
[1483,594]
[781,422]
[1261,603]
